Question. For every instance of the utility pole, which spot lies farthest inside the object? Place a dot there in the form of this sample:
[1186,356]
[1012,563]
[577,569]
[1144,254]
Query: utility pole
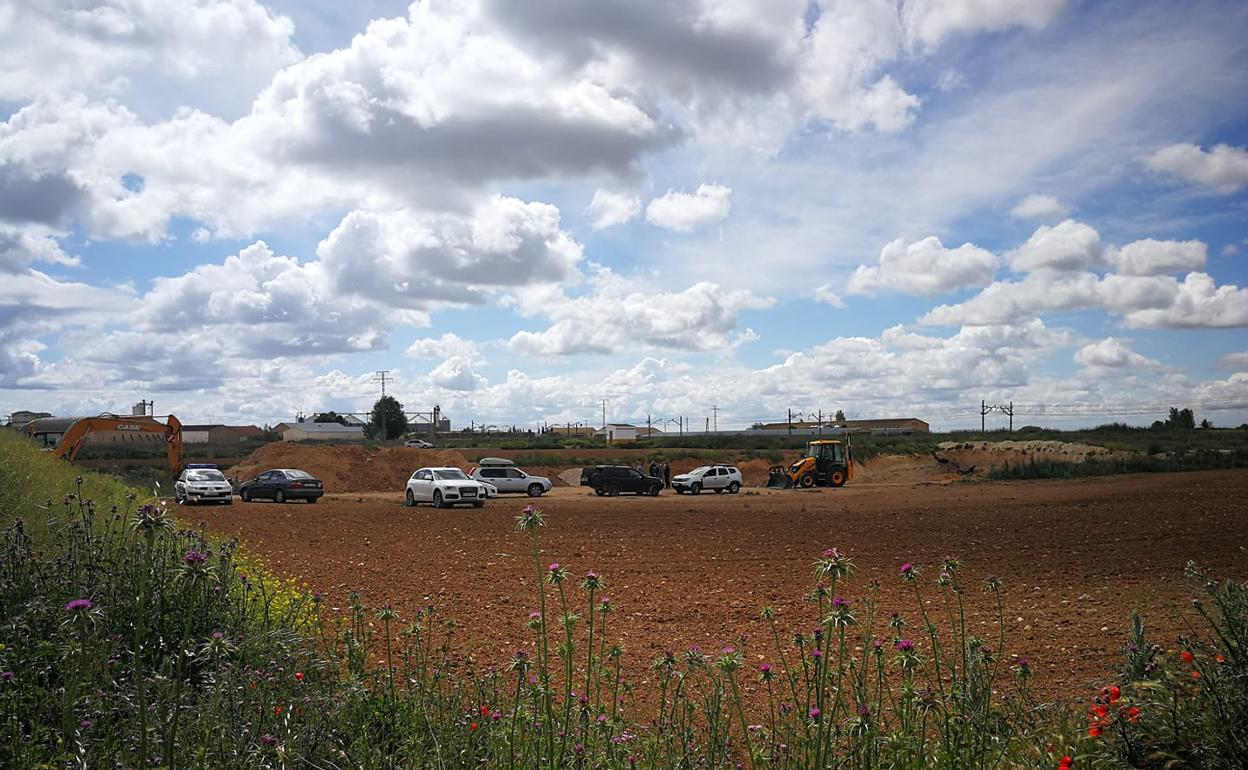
[820,422]
[380,376]
[985,408]
[790,422]
[649,428]
[605,401]
[715,411]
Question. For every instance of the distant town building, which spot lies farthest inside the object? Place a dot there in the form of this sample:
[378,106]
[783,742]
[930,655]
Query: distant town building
[583,431]
[21,418]
[319,431]
[617,433]
[220,434]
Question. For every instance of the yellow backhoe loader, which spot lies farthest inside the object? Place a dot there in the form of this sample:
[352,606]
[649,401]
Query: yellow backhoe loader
[122,427]
[827,463]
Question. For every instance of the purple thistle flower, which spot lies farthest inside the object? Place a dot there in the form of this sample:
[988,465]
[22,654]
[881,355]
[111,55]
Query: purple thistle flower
[907,568]
[534,615]
[765,668]
[905,645]
[194,558]
[839,601]
[729,650]
[832,553]
[554,567]
[604,600]
[816,653]
[268,741]
[1024,664]
[78,605]
[814,713]
[86,724]
[864,711]
[6,676]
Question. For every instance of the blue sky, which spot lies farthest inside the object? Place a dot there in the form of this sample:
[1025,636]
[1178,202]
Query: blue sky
[242,210]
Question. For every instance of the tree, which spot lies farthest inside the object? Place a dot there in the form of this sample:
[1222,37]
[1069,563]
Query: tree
[1205,425]
[1181,418]
[387,420]
[330,417]
[840,416]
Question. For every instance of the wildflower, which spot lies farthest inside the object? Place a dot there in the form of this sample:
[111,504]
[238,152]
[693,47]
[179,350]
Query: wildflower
[814,713]
[604,604]
[833,564]
[602,719]
[864,711]
[194,558]
[558,573]
[764,672]
[909,572]
[1094,731]
[1023,668]
[592,580]
[317,597]
[1195,674]
[495,716]
[1133,715]
[839,601]
[277,711]
[472,727]
[298,676]
[1220,658]
[1066,763]
[6,676]
[816,653]
[1186,656]
[268,741]
[86,724]
[1114,694]
[78,605]
[905,645]
[530,519]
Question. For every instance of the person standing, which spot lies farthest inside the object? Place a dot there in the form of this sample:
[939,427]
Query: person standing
[667,474]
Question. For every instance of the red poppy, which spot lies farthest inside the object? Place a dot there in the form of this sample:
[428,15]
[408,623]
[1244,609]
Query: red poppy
[1186,656]
[1094,731]
[1220,658]
[1099,711]
[277,711]
[472,727]
[298,676]
[1114,694]
[485,710]
[1195,675]
[1133,715]
[1065,764]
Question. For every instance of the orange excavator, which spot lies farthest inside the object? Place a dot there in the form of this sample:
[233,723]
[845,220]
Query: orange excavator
[123,429]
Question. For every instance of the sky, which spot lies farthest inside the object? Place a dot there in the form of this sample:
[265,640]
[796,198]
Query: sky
[682,208]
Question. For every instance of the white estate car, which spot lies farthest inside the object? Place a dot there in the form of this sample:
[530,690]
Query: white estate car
[203,485]
[444,487]
[509,478]
[716,477]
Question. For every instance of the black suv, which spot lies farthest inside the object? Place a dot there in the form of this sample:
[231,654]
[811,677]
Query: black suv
[614,479]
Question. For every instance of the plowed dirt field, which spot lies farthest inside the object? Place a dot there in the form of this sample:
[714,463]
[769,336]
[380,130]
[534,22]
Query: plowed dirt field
[1076,557]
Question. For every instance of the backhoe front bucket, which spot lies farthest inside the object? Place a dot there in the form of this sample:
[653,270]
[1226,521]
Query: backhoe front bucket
[778,478]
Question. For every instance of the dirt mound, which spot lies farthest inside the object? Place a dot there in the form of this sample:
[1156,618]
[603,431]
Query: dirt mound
[347,468]
[980,457]
[902,469]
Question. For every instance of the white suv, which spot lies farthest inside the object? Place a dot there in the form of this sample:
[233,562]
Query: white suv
[716,477]
[444,487]
[512,479]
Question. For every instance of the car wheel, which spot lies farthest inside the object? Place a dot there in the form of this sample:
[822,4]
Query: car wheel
[536,490]
[734,488]
[245,496]
[600,492]
[313,500]
[478,504]
[437,498]
[409,499]
[838,478]
[279,496]
[696,489]
[806,481]
[655,490]
[613,490]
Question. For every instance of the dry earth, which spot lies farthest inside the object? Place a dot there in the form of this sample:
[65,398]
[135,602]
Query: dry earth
[1076,557]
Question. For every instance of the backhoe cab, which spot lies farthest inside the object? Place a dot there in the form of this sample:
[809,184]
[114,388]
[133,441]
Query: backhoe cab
[827,463]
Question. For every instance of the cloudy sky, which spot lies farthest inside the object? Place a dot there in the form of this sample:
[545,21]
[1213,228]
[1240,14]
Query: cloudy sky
[243,209]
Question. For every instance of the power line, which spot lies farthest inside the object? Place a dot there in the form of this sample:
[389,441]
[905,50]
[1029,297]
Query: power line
[380,376]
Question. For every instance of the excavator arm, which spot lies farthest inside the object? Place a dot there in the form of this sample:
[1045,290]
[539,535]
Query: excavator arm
[74,438]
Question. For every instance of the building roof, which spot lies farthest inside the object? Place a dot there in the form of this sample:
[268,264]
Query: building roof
[202,427]
[249,431]
[324,427]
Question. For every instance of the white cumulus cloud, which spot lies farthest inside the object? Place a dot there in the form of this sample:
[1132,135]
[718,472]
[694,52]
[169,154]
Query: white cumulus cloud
[682,212]
[925,268]
[1222,168]
[1153,257]
[609,209]
[1112,353]
[1069,245]
[1044,207]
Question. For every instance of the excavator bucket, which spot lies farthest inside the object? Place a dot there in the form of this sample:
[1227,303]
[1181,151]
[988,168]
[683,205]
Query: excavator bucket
[778,478]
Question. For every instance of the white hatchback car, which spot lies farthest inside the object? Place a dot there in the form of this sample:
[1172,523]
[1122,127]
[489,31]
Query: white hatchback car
[717,477]
[445,487]
[199,484]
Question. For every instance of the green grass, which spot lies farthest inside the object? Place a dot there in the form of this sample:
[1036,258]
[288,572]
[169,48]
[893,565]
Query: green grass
[1198,460]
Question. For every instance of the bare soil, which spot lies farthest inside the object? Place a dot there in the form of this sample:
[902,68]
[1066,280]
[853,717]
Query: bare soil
[1076,556]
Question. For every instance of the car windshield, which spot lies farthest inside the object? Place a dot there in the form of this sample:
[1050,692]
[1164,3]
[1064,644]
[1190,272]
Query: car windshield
[292,474]
[449,474]
[205,476]
[699,471]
